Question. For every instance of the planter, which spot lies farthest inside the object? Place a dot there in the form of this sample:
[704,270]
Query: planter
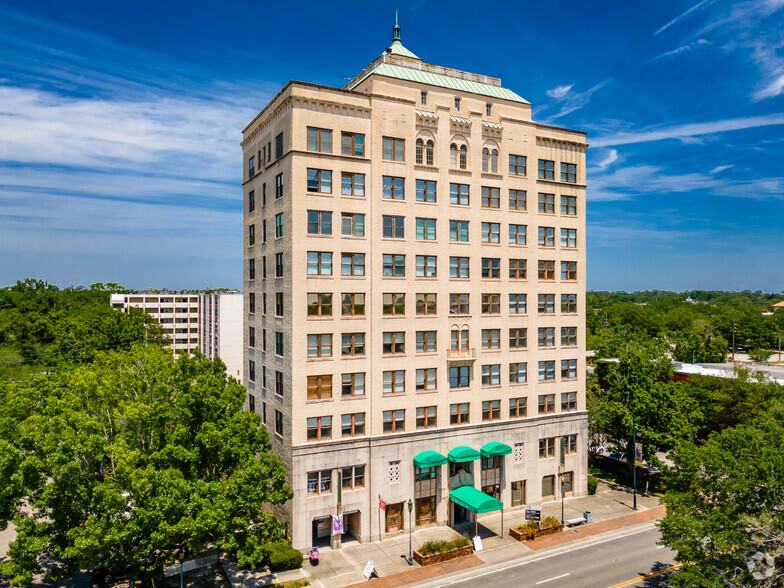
[433,558]
[515,533]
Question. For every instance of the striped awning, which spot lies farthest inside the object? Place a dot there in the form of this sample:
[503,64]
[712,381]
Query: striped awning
[459,119]
[426,114]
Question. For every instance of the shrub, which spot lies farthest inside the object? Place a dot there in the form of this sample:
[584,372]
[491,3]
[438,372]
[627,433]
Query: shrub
[592,484]
[528,526]
[442,546]
[550,522]
[284,557]
[759,355]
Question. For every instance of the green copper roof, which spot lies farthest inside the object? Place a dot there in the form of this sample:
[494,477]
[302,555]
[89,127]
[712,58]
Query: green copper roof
[429,459]
[495,448]
[463,454]
[472,499]
[396,48]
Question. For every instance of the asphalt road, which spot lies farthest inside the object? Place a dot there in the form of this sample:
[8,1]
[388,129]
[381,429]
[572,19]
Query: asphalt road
[617,562]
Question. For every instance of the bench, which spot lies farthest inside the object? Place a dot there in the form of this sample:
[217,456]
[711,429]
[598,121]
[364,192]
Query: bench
[575,521]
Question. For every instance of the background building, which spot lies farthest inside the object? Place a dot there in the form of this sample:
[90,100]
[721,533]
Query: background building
[414,249]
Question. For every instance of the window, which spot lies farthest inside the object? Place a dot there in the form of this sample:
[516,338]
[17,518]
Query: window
[426,417]
[352,344]
[568,336]
[518,338]
[518,492]
[458,231]
[517,408]
[571,443]
[458,267]
[393,227]
[352,264]
[547,203]
[425,266]
[425,190]
[491,197]
[319,263]
[423,97]
[251,167]
[394,382]
[279,423]
[278,344]
[569,238]
[319,304]
[568,303]
[547,236]
[252,303]
[352,384]
[320,345]
[458,413]
[546,403]
[251,201]
[319,482]
[569,205]
[264,230]
[491,232]
[457,103]
[354,478]
[517,199]
[264,340]
[459,339]
[426,304]
[279,146]
[491,338]
[517,269]
[458,304]
[568,401]
[546,169]
[353,304]
[394,343]
[394,304]
[518,303]
[279,304]
[424,152]
[319,428]
[352,184]
[393,265]
[518,373]
[278,186]
[568,172]
[251,336]
[279,383]
[319,140]
[488,109]
[319,222]
[517,234]
[320,387]
[546,336]
[491,374]
[546,303]
[394,149]
[547,448]
[546,371]
[491,304]
[251,403]
[426,341]
[568,270]
[394,421]
[459,376]
[352,425]
[459,194]
[491,267]
[352,144]
[278,225]
[490,160]
[491,410]
[517,165]
[393,188]
[278,265]
[251,269]
[251,370]
[319,180]
[426,379]
[568,369]
[352,224]
[425,229]
[546,270]
[251,235]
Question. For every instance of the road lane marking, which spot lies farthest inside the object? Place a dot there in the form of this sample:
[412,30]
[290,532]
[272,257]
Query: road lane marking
[647,576]
[551,579]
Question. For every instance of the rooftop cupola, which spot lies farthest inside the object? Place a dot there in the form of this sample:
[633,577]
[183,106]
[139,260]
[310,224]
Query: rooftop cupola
[396,48]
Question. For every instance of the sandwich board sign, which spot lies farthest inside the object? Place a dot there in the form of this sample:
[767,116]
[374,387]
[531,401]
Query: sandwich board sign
[533,513]
[369,569]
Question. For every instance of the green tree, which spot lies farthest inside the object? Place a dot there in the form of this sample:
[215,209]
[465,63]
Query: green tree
[134,454]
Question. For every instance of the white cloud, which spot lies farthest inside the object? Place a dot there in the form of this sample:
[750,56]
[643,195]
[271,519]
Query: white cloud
[682,49]
[681,16]
[721,168]
[559,91]
[611,157]
[572,101]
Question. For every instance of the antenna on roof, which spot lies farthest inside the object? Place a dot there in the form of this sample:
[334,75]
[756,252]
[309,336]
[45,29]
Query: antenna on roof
[395,30]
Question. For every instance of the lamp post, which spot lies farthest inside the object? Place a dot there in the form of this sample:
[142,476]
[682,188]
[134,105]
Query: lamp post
[634,461]
[181,556]
[410,531]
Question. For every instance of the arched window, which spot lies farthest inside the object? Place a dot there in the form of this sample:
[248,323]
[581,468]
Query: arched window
[485,159]
[419,146]
[494,161]
[463,157]
[453,156]
[429,152]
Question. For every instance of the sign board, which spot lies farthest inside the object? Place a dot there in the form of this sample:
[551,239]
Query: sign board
[369,569]
[533,513]
[337,525]
[340,488]
[477,543]
[638,454]
[381,504]
[563,451]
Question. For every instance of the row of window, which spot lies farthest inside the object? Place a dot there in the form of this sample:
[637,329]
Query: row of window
[351,478]
[265,155]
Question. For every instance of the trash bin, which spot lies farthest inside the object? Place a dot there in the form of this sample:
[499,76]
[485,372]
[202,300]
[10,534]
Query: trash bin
[588,516]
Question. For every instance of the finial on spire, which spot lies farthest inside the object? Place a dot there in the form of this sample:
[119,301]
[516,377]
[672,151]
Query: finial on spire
[395,30]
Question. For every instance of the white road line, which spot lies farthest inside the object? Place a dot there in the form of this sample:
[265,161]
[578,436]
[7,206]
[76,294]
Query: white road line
[551,579]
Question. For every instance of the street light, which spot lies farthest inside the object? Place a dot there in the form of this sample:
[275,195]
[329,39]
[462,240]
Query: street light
[410,531]
[634,460]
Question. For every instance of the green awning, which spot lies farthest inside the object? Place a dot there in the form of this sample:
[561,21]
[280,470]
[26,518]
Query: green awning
[495,448]
[429,459]
[472,499]
[463,454]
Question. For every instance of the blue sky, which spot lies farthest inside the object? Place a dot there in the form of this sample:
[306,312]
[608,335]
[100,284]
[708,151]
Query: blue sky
[120,126]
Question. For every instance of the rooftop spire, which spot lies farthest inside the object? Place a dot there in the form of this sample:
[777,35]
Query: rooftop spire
[395,30]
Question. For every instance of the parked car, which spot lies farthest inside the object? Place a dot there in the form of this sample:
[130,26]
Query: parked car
[618,456]
[102,575]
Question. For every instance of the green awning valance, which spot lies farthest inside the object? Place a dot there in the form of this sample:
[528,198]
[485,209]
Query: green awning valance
[429,459]
[472,499]
[495,448]
[463,454]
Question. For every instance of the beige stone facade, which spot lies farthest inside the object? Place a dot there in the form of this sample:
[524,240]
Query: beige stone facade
[450,183]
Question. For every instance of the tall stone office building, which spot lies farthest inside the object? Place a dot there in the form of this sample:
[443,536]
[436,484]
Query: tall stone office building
[414,250]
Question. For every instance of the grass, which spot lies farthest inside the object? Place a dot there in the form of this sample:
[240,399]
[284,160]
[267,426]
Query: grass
[433,546]
[12,369]
[293,584]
